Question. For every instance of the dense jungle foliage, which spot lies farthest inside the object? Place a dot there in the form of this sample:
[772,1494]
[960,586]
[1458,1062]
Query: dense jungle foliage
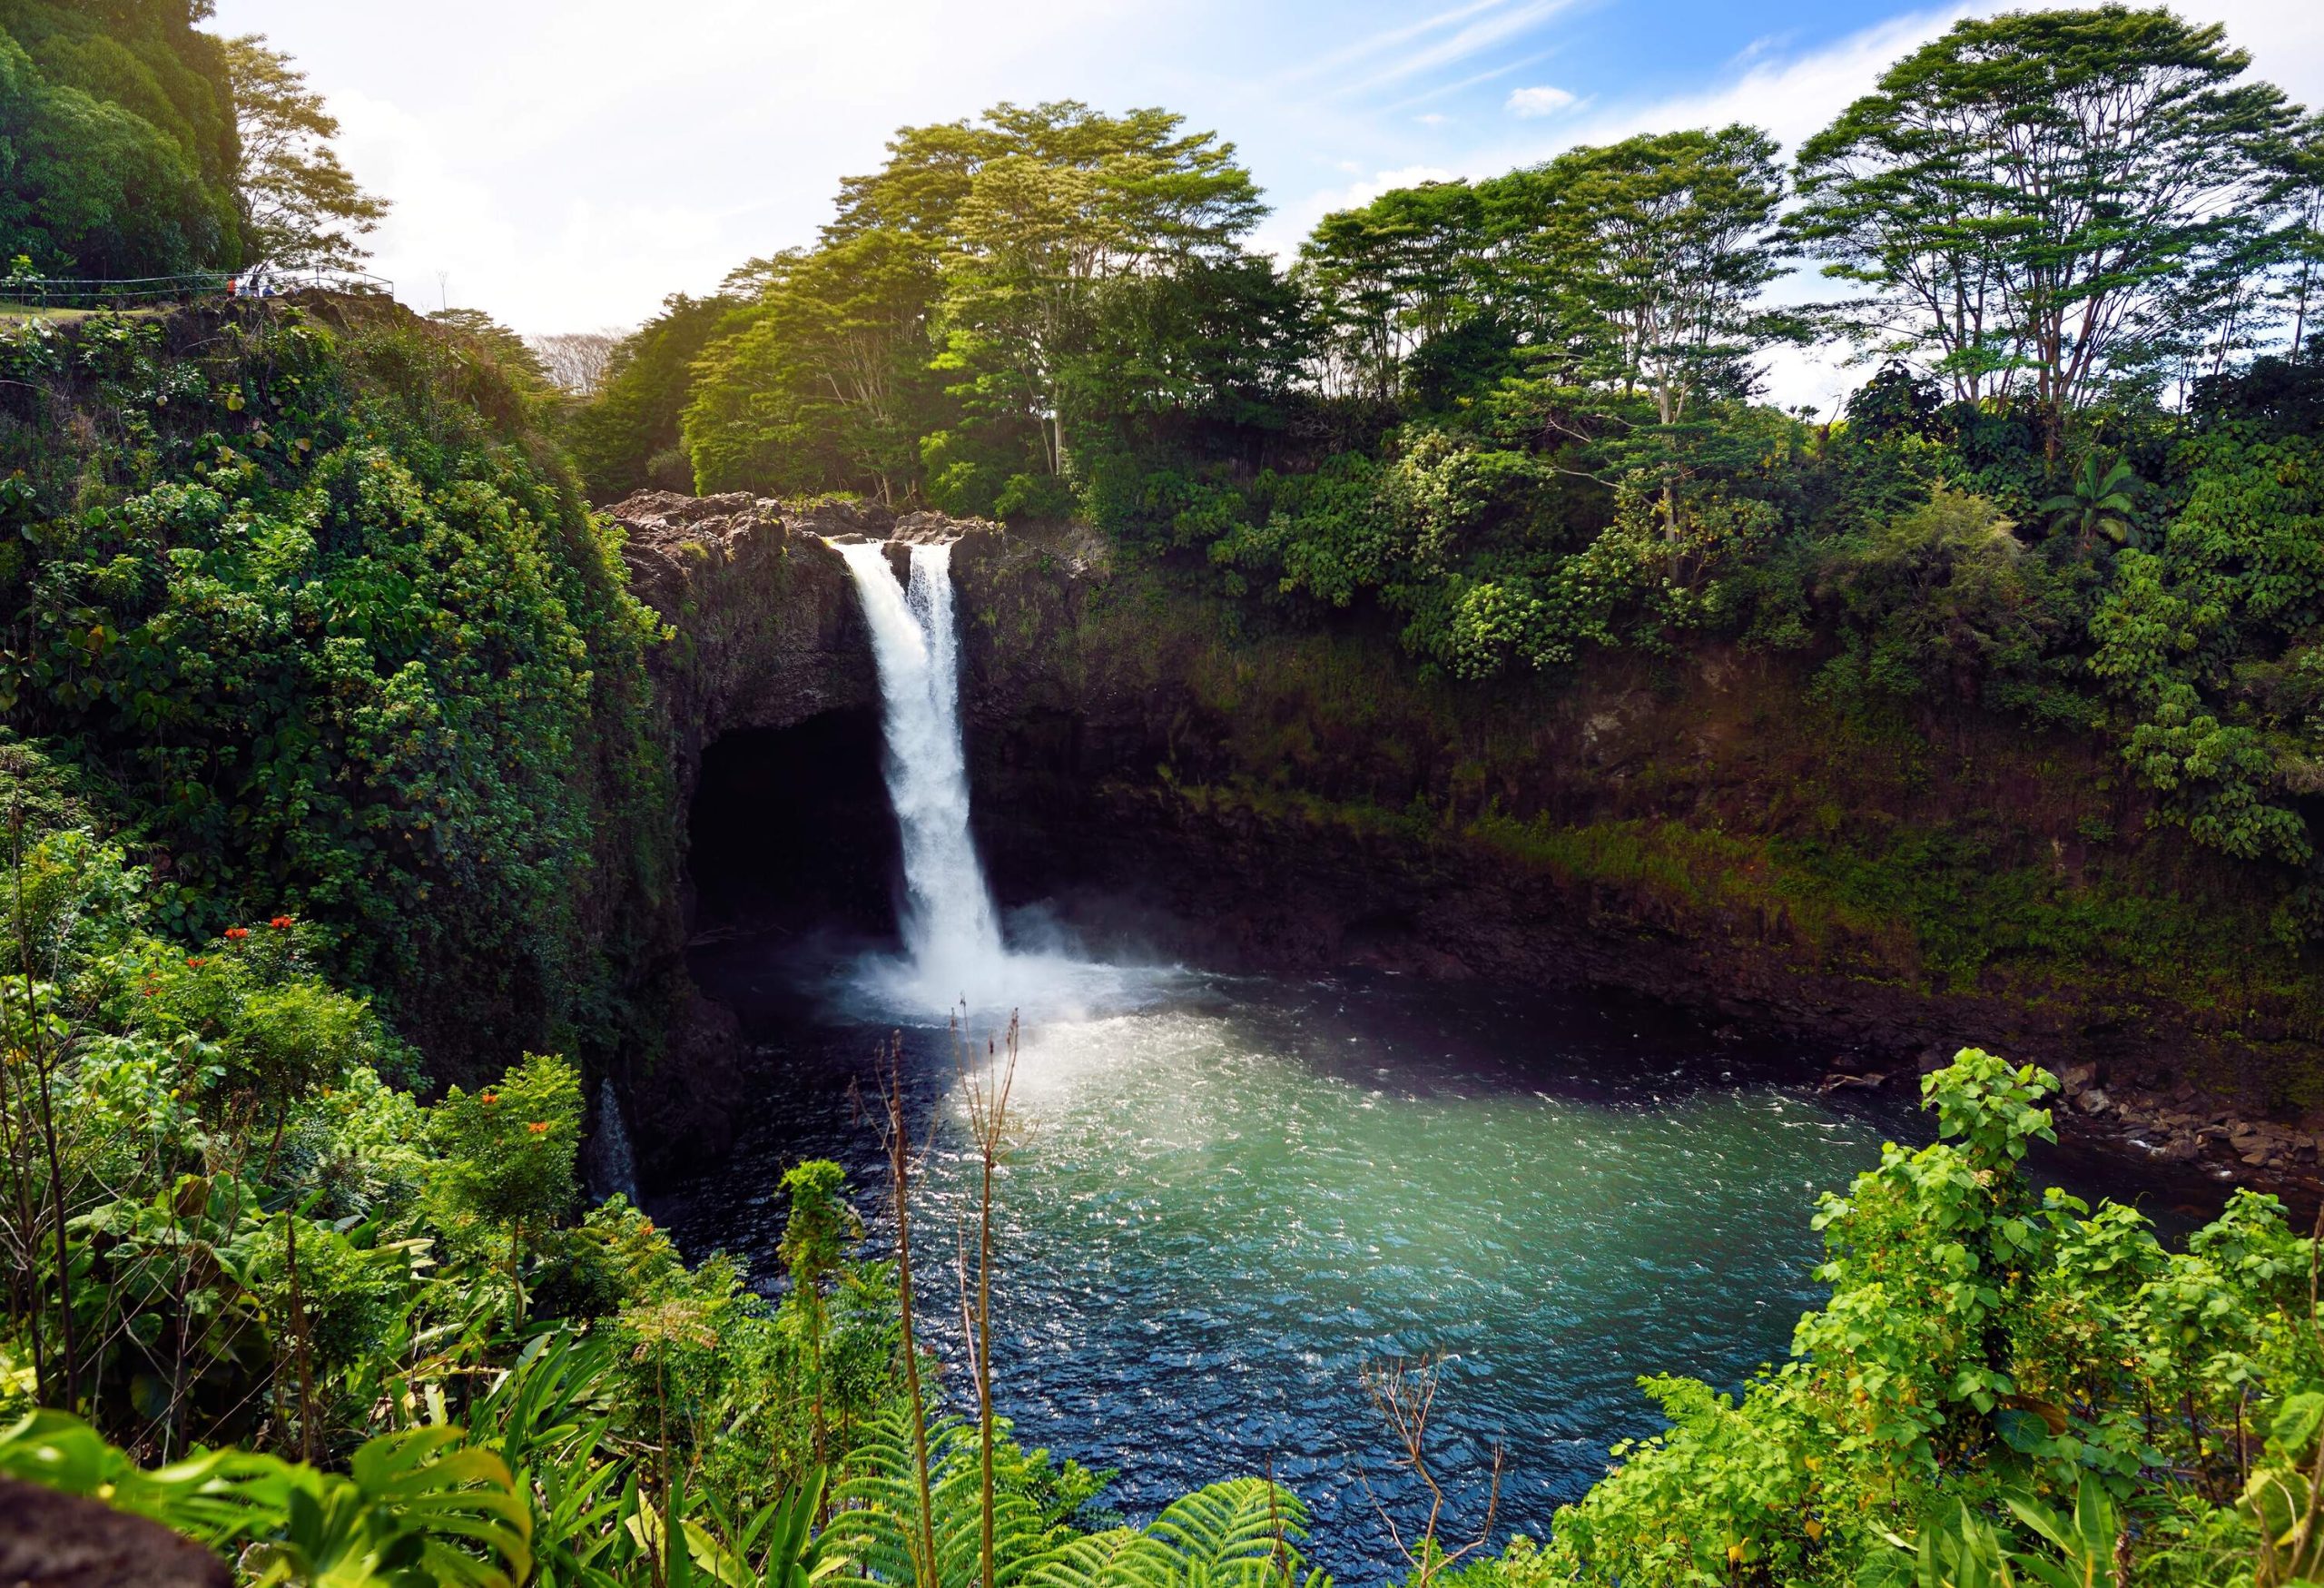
[117,139]
[350,1337]
[1513,417]
[331,623]
[321,686]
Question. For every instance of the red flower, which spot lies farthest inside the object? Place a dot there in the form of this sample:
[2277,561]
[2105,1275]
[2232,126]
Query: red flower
[281,924]
[236,933]
[148,992]
[538,1127]
[195,962]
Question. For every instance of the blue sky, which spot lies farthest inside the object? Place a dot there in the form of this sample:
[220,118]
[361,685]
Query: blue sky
[565,163]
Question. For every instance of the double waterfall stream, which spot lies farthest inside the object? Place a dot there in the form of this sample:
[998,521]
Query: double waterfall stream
[951,931]
[1228,1195]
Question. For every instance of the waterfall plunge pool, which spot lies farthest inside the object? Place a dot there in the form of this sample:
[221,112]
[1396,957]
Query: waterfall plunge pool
[1229,1200]
[1229,1196]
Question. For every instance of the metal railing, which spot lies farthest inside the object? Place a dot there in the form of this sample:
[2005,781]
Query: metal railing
[147,291]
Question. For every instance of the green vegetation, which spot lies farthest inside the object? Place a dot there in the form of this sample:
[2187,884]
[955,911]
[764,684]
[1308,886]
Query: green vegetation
[228,1226]
[336,831]
[1514,419]
[2005,1386]
[117,136]
[329,618]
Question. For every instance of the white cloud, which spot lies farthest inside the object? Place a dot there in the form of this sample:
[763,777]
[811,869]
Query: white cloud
[1389,38]
[1285,230]
[1482,34]
[567,167]
[1530,103]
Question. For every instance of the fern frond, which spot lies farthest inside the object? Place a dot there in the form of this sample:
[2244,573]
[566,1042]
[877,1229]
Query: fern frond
[1244,1533]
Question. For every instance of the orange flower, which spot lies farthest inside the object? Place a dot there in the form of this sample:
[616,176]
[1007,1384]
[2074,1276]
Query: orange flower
[538,1127]
[236,933]
[195,962]
[647,1227]
[281,924]
[490,1096]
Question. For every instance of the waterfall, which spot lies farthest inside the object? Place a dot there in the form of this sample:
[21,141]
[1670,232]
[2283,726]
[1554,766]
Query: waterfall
[951,933]
[609,1165]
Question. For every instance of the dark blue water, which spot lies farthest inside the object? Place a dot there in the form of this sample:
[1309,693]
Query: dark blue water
[1229,1201]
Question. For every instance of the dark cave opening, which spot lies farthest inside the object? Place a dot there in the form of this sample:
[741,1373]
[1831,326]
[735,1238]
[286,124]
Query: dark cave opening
[791,829]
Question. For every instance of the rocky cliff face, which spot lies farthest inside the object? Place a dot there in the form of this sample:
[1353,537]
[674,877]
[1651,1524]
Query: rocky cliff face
[1693,827]
[764,633]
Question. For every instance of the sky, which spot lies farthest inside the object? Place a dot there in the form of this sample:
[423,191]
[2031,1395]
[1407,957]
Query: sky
[566,164]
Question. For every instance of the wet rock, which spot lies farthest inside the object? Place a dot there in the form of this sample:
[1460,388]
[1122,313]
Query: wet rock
[766,633]
[53,1539]
[2092,1101]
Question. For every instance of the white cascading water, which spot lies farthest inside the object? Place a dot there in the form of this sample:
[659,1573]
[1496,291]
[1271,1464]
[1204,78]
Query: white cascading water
[609,1162]
[950,930]
[953,954]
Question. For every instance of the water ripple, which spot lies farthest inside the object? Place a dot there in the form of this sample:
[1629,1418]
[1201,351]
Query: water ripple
[1227,1202]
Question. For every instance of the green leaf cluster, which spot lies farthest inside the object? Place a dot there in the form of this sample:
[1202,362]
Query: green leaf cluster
[117,141]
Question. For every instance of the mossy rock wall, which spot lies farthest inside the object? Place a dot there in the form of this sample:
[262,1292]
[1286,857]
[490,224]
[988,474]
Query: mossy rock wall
[1696,826]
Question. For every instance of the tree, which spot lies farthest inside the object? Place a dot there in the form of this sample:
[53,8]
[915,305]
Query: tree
[1667,238]
[627,438]
[823,380]
[1066,201]
[1391,277]
[2302,164]
[576,361]
[2099,503]
[475,332]
[302,209]
[1636,267]
[89,186]
[2049,199]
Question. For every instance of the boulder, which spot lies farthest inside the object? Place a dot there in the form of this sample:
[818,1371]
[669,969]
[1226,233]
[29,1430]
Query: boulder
[53,1540]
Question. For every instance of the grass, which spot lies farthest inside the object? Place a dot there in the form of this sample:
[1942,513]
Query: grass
[23,314]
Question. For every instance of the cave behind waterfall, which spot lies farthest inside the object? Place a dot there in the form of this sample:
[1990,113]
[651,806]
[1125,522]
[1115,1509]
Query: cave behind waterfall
[791,829]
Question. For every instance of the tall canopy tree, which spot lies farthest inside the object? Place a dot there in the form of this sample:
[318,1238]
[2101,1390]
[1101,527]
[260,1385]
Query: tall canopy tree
[1065,203]
[1391,277]
[2303,188]
[116,138]
[627,438]
[825,377]
[2049,199]
[1635,267]
[1667,238]
[996,287]
[300,207]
